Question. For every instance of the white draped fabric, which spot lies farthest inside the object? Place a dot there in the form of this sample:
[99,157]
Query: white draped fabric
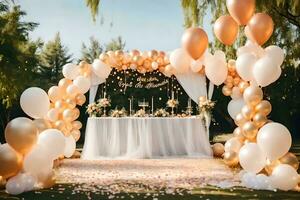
[130,137]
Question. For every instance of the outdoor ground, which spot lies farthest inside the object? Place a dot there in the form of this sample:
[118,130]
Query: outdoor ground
[149,179]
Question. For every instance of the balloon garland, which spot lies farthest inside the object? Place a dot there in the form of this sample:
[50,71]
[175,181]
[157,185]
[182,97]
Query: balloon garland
[259,145]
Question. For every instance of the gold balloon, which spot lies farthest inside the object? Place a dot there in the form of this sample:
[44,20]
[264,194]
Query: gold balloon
[231,158]
[249,130]
[153,54]
[236,81]
[10,161]
[134,53]
[261,27]
[103,57]
[2,182]
[21,134]
[75,134]
[226,90]
[290,159]
[64,83]
[239,120]
[226,29]
[229,79]
[48,181]
[68,115]
[248,112]
[243,85]
[238,133]
[70,103]
[76,112]
[60,105]
[195,42]
[80,99]
[55,93]
[271,166]
[60,125]
[42,124]
[259,120]
[264,107]
[218,149]
[241,10]
[77,125]
[253,95]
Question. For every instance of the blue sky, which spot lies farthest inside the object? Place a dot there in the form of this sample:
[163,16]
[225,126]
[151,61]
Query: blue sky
[143,24]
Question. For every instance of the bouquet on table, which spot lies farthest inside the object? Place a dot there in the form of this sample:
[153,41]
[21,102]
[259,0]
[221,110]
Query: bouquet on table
[118,113]
[94,110]
[140,113]
[104,103]
[161,113]
[172,103]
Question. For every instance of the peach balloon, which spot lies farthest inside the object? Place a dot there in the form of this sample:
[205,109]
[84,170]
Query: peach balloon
[218,149]
[264,107]
[226,29]
[75,134]
[195,42]
[259,119]
[21,134]
[53,114]
[11,161]
[80,99]
[64,83]
[231,158]
[68,115]
[248,112]
[253,95]
[60,105]
[72,90]
[55,93]
[249,130]
[77,125]
[241,10]
[261,27]
[239,119]
[226,90]
[70,103]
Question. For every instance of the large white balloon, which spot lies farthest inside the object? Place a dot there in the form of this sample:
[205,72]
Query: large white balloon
[101,69]
[216,71]
[180,60]
[220,55]
[28,181]
[14,185]
[70,71]
[284,177]
[233,144]
[265,71]
[35,102]
[38,160]
[54,140]
[82,83]
[235,106]
[276,53]
[70,146]
[274,139]
[252,158]
[244,66]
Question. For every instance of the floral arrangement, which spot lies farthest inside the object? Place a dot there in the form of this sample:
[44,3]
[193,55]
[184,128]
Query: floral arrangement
[94,109]
[161,113]
[104,102]
[206,106]
[118,113]
[172,103]
[140,113]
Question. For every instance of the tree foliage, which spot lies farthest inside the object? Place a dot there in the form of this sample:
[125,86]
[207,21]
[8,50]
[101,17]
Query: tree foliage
[115,44]
[91,52]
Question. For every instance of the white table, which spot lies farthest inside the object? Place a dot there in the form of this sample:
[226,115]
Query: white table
[135,137]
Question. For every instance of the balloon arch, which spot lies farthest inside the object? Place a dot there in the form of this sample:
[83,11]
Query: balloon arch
[259,145]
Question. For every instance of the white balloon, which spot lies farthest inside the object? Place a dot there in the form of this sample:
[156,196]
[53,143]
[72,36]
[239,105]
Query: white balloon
[284,177]
[28,181]
[244,66]
[276,53]
[235,106]
[38,160]
[220,55]
[82,83]
[54,140]
[35,102]
[216,71]
[196,65]
[53,114]
[207,57]
[252,158]
[101,69]
[180,60]
[274,139]
[14,185]
[233,144]
[96,80]
[236,93]
[265,71]
[70,71]
[70,146]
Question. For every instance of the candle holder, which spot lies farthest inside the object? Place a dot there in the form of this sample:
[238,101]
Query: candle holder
[189,110]
[172,103]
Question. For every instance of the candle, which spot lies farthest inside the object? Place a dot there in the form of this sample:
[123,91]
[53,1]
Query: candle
[152,105]
[104,95]
[172,94]
[130,106]
[189,103]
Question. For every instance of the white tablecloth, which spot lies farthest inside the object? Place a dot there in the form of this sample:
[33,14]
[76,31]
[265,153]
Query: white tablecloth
[130,138]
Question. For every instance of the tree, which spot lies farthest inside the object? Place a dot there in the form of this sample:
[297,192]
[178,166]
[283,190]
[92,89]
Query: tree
[53,57]
[115,44]
[92,52]
[93,6]
[18,57]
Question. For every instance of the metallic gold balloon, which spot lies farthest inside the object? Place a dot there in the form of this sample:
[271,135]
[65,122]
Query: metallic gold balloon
[60,105]
[249,130]
[60,125]
[80,99]
[253,95]
[241,10]
[229,85]
[261,27]
[238,133]
[42,124]
[77,125]
[229,79]
[75,134]
[76,112]
[21,134]
[55,93]
[119,54]
[68,115]
[64,83]
[138,60]
[195,42]
[218,149]
[134,53]
[248,112]
[264,107]
[10,161]
[259,120]
[226,91]
[153,54]
[290,159]
[231,158]
[103,57]
[226,29]
[239,120]
[243,85]
[271,166]
[70,103]
[236,81]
